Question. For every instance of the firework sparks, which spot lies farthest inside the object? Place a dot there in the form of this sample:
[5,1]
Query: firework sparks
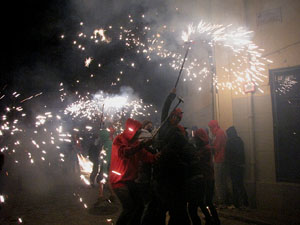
[101,33]
[86,166]
[116,106]
[88,61]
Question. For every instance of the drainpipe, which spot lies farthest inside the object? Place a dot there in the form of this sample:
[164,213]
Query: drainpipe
[213,99]
[251,126]
[214,92]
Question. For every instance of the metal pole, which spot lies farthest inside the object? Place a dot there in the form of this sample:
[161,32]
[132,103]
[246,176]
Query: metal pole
[180,71]
[102,116]
[163,123]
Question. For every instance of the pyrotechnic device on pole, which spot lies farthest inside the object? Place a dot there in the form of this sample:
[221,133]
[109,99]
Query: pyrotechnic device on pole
[184,59]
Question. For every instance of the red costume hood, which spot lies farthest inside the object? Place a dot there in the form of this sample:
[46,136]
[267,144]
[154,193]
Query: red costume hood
[182,130]
[131,127]
[201,134]
[178,112]
[214,125]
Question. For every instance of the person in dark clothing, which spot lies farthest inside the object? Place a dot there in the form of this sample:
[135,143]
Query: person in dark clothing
[126,154]
[177,171]
[145,169]
[93,152]
[235,160]
[206,192]
[145,172]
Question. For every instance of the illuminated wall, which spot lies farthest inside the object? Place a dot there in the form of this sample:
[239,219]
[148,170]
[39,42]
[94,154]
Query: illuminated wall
[276,29]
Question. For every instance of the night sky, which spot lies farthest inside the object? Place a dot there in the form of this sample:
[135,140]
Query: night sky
[37,59]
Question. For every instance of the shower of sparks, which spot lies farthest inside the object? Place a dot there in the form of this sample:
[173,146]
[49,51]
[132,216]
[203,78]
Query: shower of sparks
[247,63]
[44,143]
[116,107]
[86,166]
[285,84]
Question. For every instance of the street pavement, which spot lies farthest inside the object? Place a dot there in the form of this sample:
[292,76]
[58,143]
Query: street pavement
[67,200]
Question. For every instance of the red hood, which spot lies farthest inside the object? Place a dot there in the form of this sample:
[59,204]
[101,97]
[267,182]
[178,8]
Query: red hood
[131,127]
[178,112]
[213,124]
[201,134]
[182,129]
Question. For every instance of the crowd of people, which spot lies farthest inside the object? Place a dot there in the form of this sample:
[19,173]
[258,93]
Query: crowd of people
[167,171]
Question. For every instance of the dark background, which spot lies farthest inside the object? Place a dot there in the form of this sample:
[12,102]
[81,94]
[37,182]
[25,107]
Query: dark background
[35,58]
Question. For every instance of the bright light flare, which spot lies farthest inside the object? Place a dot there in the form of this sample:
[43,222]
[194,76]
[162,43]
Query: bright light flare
[86,166]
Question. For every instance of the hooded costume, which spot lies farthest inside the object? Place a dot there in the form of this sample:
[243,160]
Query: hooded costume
[126,154]
[206,191]
[204,153]
[235,159]
[235,154]
[219,142]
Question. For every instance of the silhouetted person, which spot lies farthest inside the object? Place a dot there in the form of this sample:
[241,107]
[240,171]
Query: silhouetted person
[235,159]
[94,152]
[174,165]
[145,169]
[206,191]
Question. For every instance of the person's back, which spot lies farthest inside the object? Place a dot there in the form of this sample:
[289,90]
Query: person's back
[235,154]
[235,159]
[206,189]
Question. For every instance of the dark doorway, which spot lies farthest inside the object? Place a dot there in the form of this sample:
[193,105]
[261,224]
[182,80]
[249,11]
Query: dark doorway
[285,90]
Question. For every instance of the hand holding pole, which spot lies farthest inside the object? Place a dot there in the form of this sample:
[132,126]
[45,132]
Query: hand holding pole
[180,100]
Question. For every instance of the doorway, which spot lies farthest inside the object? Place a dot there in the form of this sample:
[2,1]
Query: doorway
[285,91]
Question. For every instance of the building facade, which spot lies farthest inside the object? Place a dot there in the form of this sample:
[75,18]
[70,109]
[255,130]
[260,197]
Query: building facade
[268,118]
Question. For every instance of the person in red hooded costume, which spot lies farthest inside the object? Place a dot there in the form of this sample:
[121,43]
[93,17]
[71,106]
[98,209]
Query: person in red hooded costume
[218,149]
[126,154]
